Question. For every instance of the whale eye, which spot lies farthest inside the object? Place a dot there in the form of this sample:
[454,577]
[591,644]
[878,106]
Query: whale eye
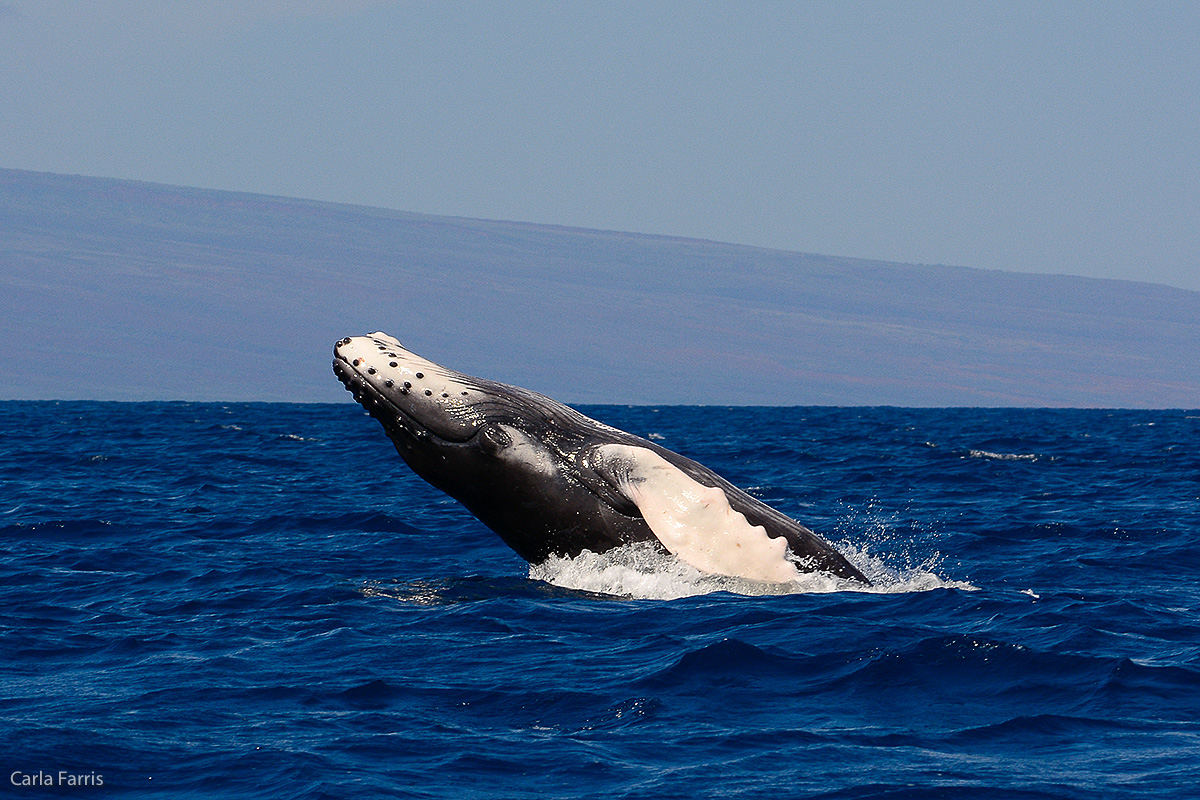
[420,375]
[393,364]
[493,439]
[370,370]
[429,393]
[389,383]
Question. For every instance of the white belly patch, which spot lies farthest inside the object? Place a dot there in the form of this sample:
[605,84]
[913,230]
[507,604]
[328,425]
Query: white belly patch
[695,522]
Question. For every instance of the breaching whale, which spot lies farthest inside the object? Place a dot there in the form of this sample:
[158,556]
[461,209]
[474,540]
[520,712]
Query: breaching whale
[551,481]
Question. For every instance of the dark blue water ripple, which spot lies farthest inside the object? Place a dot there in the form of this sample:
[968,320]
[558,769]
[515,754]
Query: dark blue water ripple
[261,601]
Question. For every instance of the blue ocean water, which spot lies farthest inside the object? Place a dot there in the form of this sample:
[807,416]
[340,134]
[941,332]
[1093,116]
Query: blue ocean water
[262,601]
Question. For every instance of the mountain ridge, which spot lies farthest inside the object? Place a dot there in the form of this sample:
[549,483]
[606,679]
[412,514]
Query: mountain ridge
[238,296]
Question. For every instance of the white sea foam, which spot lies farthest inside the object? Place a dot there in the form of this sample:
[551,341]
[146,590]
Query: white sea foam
[291,437]
[641,571]
[1004,456]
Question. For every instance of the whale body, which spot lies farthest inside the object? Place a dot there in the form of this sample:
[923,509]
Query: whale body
[551,481]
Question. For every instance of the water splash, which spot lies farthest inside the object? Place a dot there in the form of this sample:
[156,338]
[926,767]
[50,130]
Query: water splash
[888,578]
[641,571]
[877,540]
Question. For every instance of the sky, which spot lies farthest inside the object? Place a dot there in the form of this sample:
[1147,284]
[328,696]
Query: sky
[1054,137]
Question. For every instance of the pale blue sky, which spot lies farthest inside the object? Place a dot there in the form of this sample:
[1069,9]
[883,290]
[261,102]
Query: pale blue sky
[1047,137]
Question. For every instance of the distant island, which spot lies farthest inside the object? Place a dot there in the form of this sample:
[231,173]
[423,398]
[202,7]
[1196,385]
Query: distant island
[121,290]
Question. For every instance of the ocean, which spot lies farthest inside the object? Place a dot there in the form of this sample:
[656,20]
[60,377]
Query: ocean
[262,601]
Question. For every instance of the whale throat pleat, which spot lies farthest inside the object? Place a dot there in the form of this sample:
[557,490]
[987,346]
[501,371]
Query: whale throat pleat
[696,522]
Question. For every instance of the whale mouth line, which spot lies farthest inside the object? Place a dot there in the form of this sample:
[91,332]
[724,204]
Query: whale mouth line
[384,408]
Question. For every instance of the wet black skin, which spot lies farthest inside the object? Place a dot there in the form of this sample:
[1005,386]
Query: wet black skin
[569,502]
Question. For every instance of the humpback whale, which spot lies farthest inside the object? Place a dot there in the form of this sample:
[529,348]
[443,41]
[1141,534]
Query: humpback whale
[552,481]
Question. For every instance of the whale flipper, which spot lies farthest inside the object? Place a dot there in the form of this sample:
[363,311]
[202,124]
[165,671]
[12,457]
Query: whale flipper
[696,523]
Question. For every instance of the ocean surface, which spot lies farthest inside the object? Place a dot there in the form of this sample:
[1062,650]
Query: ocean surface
[262,601]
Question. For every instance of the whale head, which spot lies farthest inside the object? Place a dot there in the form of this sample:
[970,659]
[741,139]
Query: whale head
[496,448]
[418,399]
[410,393]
